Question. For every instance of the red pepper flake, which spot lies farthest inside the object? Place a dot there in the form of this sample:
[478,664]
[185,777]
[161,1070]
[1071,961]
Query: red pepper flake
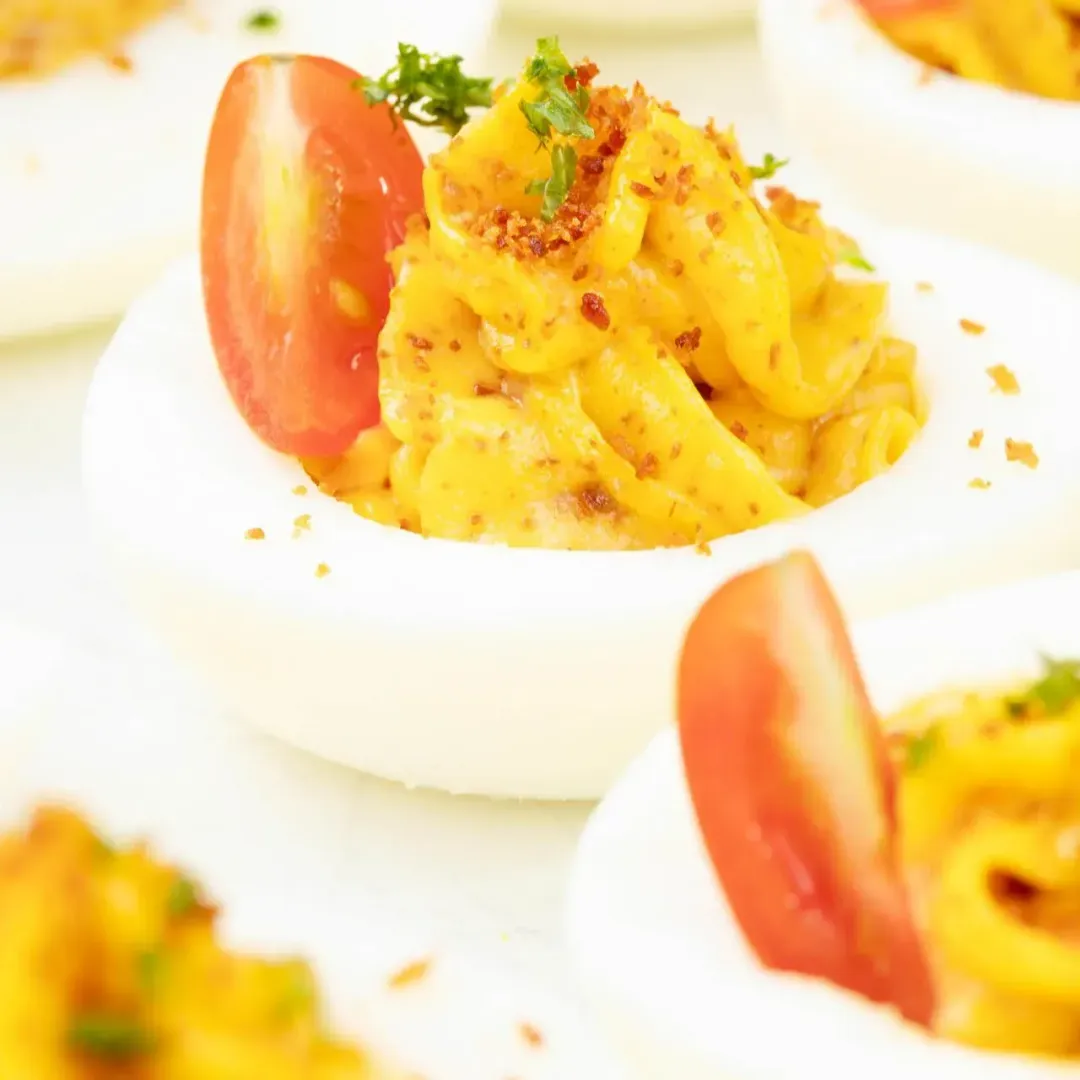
[483,390]
[641,189]
[1004,379]
[421,344]
[715,223]
[581,272]
[738,429]
[593,310]
[970,327]
[532,1035]
[1022,452]
[455,345]
[689,340]
[255,534]
[410,974]
[591,165]
[976,439]
[979,483]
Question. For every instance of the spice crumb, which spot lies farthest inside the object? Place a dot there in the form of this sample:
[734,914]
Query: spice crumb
[303,521]
[976,439]
[1004,379]
[255,534]
[979,483]
[969,326]
[322,570]
[300,489]
[531,1034]
[1023,452]
[409,975]
[924,286]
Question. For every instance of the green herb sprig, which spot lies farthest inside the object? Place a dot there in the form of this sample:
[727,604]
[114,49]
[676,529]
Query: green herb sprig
[115,1038]
[921,748]
[556,109]
[768,168]
[1051,694]
[428,90]
[264,21]
[853,257]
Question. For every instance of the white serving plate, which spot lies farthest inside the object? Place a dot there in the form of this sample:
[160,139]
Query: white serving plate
[100,170]
[657,952]
[308,859]
[930,151]
[632,15]
[481,669]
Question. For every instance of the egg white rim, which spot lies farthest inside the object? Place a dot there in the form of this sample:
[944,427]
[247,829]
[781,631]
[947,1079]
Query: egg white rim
[654,945]
[1012,132]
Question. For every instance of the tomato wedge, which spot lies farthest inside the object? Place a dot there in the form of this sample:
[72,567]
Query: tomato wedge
[306,188]
[883,10]
[792,786]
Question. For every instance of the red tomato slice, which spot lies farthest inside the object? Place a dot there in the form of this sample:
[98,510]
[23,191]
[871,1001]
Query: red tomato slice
[883,10]
[306,189]
[789,776]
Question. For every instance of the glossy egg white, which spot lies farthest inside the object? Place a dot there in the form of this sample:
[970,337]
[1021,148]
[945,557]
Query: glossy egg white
[657,952]
[923,148]
[100,170]
[529,673]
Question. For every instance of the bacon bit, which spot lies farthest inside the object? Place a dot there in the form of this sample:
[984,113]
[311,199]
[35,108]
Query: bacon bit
[738,429]
[615,141]
[976,439]
[1022,452]
[689,340]
[774,355]
[591,165]
[595,499]
[300,489]
[483,390]
[581,272]
[532,1035]
[971,327]
[455,345]
[924,286]
[715,223]
[660,179]
[676,450]
[676,268]
[255,534]
[648,466]
[586,72]
[536,246]
[1004,379]
[410,974]
[979,483]
[593,310]
[421,344]
[641,189]
[685,174]
[475,519]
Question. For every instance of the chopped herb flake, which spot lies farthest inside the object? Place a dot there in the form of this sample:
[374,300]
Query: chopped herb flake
[852,256]
[112,1037]
[558,185]
[921,748]
[183,896]
[265,21]
[768,168]
[1050,695]
[429,90]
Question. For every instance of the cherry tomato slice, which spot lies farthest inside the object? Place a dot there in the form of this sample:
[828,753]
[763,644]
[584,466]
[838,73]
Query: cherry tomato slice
[305,191]
[793,790]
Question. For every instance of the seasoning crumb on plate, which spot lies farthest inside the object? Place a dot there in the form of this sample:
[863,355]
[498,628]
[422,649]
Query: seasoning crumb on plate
[924,286]
[1004,379]
[979,483]
[532,1035]
[969,326]
[410,974]
[300,489]
[322,570]
[976,439]
[1022,452]
[255,534]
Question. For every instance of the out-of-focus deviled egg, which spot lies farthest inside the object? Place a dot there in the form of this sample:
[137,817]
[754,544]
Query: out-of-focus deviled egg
[445,518]
[105,108]
[963,119]
[786,877]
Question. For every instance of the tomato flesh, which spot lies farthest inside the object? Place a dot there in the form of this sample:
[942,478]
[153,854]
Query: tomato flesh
[305,191]
[792,787]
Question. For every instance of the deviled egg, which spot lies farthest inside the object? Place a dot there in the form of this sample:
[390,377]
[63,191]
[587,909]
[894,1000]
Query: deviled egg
[982,158]
[392,526]
[105,109]
[782,880]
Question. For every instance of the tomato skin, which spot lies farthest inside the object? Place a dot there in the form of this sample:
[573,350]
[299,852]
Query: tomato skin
[793,789]
[884,10]
[306,189]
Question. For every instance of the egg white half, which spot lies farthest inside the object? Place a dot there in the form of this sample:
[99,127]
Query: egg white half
[100,170]
[656,949]
[921,148]
[530,673]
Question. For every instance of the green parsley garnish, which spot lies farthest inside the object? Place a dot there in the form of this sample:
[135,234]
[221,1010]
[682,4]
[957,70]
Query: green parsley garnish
[557,186]
[768,168]
[265,21]
[556,109]
[183,896]
[921,748]
[852,256]
[113,1037]
[1052,694]
[432,84]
